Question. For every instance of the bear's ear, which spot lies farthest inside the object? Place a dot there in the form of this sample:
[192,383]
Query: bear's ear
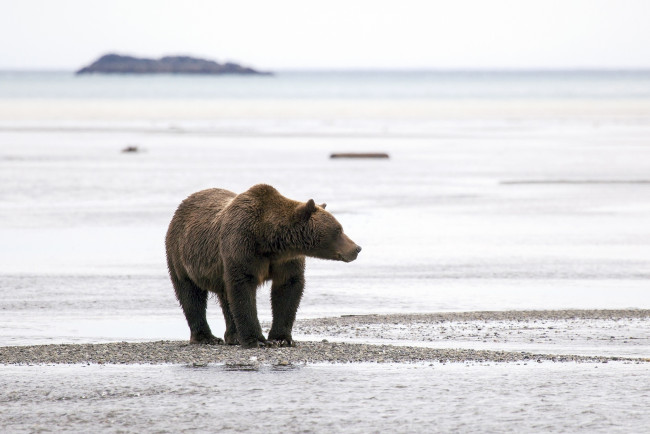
[304,211]
[323,205]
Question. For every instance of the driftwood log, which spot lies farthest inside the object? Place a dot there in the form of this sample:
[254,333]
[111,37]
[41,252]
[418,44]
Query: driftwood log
[359,155]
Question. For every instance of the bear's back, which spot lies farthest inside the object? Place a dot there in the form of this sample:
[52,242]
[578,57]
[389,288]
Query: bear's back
[192,234]
[202,207]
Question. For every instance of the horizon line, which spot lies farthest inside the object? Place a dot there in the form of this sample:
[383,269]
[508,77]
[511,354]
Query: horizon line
[381,69]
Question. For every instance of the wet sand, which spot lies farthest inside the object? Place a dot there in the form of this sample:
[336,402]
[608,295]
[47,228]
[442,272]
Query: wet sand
[622,333]
[399,329]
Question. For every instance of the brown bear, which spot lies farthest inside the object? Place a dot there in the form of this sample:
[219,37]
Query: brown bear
[229,244]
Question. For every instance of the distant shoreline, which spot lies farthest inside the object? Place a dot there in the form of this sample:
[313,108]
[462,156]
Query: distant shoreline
[433,71]
[270,107]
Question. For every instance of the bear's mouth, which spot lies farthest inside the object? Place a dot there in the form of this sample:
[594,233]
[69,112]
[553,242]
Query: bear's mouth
[340,257]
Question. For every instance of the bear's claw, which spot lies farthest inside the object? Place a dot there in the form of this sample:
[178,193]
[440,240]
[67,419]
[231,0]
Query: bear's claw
[254,343]
[231,338]
[283,342]
[206,340]
[232,341]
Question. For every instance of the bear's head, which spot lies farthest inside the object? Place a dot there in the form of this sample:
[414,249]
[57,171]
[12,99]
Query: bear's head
[325,236]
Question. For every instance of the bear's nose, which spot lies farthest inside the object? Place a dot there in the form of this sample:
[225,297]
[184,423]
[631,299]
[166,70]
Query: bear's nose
[358,249]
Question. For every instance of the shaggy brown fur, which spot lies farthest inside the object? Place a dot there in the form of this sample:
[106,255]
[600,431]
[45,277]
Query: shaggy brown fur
[230,244]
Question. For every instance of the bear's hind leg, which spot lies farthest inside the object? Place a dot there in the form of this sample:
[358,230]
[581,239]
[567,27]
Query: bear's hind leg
[230,336]
[194,302]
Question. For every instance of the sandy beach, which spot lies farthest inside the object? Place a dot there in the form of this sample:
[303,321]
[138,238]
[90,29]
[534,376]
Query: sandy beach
[332,109]
[524,327]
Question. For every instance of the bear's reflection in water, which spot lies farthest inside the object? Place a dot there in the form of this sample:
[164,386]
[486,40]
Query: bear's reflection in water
[245,367]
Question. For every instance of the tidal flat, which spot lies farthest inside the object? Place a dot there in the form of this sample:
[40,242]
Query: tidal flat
[503,285]
[396,379]
[568,335]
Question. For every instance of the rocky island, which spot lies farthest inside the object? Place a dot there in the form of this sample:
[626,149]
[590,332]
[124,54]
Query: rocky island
[118,64]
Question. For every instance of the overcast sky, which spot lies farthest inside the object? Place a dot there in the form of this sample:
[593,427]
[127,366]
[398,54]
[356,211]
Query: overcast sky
[332,34]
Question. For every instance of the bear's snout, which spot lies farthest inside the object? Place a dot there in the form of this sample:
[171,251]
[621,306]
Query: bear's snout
[351,255]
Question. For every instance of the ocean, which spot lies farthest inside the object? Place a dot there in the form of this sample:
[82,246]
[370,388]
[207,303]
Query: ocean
[421,85]
[503,190]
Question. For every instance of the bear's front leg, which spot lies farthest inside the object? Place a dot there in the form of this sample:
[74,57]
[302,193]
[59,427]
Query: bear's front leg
[241,288]
[286,292]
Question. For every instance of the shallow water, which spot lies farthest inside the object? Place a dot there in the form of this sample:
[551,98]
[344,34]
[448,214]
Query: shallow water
[534,197]
[539,397]
[332,84]
[442,227]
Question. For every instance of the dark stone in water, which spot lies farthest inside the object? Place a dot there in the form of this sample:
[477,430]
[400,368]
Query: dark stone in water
[118,64]
[360,155]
